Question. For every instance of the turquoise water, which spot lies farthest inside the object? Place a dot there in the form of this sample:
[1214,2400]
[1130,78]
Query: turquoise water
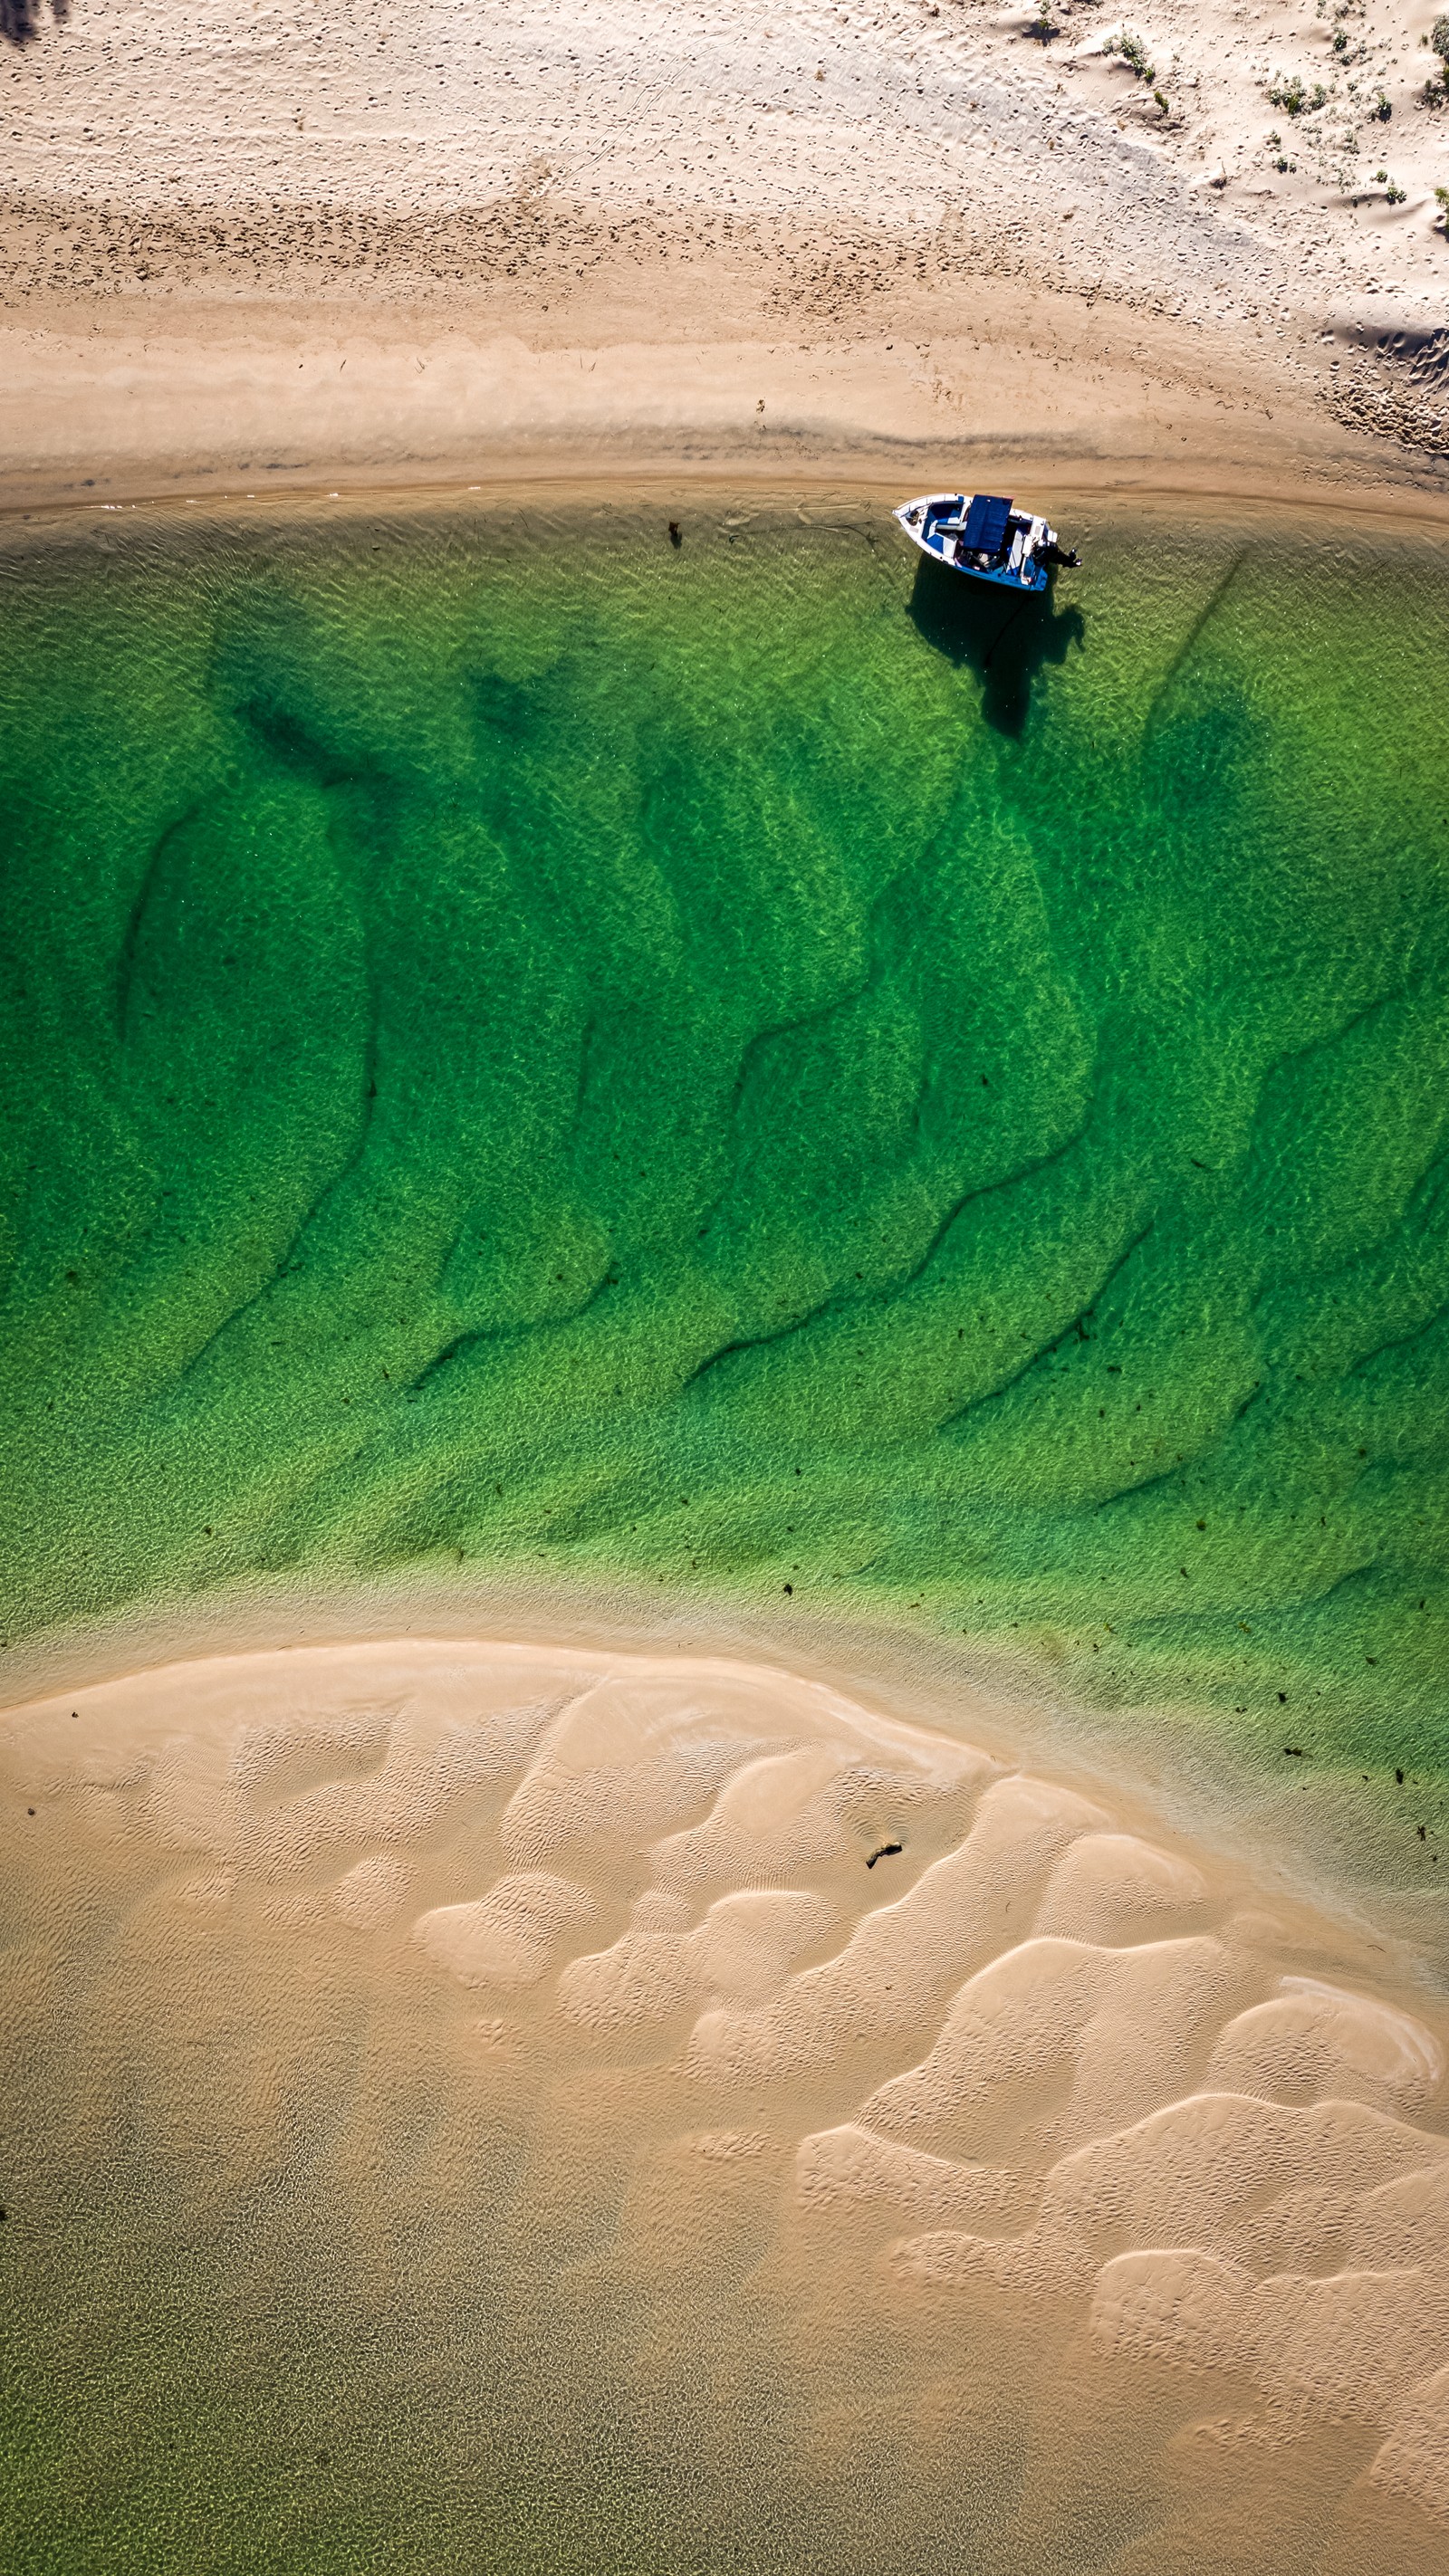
[742,1066]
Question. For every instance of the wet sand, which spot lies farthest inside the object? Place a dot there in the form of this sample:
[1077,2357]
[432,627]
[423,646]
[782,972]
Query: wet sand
[825,2086]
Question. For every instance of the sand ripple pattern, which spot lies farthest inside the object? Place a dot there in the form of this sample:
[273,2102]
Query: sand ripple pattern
[792,2009]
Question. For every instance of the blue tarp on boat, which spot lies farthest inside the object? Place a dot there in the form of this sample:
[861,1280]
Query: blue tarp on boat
[986,524]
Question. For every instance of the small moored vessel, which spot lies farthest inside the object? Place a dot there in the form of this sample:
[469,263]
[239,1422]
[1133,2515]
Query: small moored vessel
[986,537]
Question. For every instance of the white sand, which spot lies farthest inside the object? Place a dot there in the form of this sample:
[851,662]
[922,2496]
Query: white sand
[302,243]
[1039,2082]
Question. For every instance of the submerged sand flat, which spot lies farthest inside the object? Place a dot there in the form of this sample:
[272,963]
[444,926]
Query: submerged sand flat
[869,2126]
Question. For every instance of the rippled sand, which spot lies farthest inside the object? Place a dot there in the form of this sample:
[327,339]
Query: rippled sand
[831,2107]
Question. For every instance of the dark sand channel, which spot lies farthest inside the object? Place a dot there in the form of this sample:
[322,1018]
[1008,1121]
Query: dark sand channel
[477,2105]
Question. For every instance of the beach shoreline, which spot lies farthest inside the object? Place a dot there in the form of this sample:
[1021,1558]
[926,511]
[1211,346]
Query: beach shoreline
[566,477]
[1172,1768]
[724,489]
[802,240]
[929,224]
[101,405]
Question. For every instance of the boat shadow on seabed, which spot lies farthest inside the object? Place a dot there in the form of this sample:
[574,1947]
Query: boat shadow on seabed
[1005,641]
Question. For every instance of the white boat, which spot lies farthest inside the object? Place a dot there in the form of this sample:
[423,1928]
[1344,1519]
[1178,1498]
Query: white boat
[985,537]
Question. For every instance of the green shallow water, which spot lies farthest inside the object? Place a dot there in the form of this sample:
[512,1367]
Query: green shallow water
[724,1066]
[736,1069]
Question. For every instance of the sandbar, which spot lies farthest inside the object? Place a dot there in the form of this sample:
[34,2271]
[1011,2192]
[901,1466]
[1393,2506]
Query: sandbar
[783,2005]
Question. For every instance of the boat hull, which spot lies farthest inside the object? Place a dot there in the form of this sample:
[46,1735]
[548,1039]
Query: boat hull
[933,524]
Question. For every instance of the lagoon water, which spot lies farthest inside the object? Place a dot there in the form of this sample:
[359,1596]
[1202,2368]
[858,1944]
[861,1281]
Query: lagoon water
[743,1064]
[738,1066]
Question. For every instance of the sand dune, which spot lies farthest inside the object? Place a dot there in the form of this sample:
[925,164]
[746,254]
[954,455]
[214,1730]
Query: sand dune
[782,2008]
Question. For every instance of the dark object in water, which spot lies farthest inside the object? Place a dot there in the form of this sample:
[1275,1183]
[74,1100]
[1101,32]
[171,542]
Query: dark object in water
[883,1853]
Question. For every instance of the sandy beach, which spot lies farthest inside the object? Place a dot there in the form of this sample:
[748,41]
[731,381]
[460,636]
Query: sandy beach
[786,2007]
[307,247]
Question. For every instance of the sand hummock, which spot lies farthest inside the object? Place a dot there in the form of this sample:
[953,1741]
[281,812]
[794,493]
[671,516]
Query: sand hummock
[836,2093]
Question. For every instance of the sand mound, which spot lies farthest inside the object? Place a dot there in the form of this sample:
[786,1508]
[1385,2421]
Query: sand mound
[808,2041]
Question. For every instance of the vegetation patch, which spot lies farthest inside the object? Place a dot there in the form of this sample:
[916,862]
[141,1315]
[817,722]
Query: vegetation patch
[1295,97]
